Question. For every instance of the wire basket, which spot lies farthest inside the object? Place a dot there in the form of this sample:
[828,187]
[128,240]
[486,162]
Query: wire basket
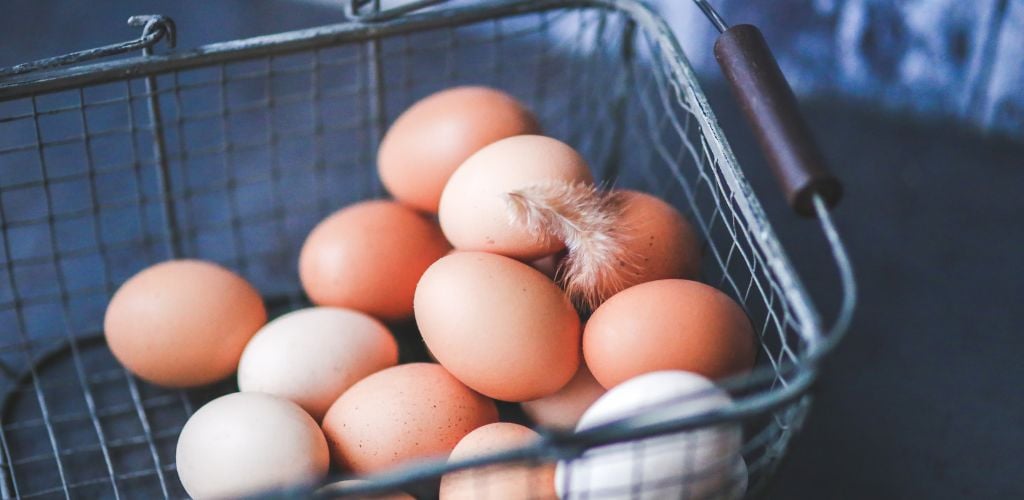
[232,152]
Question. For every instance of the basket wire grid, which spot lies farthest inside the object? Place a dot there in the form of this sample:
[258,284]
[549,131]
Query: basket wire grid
[233,152]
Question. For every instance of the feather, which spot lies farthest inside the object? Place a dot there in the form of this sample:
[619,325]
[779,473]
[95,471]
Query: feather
[586,218]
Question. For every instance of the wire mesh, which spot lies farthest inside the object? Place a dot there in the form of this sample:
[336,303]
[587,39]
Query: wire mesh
[235,161]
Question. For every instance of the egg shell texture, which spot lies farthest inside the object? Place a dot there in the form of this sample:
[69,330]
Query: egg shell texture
[311,356]
[702,463]
[368,257]
[435,135]
[498,325]
[402,413]
[510,481]
[563,409]
[183,323]
[668,325]
[663,243]
[246,443]
[474,213]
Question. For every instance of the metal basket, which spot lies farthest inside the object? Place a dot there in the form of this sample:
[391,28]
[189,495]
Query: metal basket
[233,151]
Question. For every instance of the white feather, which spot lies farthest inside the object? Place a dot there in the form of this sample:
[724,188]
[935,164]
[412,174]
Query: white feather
[587,219]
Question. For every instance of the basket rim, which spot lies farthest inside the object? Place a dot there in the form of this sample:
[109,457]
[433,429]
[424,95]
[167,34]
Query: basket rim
[807,323]
[66,78]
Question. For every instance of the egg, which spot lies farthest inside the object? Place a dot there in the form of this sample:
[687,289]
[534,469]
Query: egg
[474,212]
[662,242]
[506,481]
[396,495]
[700,463]
[311,356]
[182,323]
[402,413]
[368,257]
[668,325]
[432,138]
[498,325]
[563,409]
[246,443]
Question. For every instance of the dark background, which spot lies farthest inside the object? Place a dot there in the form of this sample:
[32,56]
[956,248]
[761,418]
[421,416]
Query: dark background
[923,399]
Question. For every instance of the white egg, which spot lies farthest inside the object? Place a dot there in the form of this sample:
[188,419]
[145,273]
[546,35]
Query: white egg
[246,443]
[703,463]
[312,355]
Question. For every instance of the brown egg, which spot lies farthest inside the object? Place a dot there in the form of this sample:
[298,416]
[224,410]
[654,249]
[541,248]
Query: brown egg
[563,409]
[500,326]
[668,325]
[434,136]
[368,257]
[183,323]
[511,481]
[474,212]
[661,239]
[406,412]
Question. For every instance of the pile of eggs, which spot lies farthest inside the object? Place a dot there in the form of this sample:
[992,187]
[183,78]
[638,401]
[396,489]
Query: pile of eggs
[322,385]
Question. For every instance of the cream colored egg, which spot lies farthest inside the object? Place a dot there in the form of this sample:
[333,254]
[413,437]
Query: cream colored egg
[246,443]
[311,356]
[474,212]
[701,463]
[563,409]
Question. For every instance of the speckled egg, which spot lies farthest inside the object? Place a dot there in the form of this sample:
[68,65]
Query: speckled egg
[663,243]
[407,412]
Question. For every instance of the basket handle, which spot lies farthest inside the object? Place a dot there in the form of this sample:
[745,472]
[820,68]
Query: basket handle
[786,140]
[772,110]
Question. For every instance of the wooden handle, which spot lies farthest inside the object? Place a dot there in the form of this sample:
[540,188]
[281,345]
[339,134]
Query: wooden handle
[772,110]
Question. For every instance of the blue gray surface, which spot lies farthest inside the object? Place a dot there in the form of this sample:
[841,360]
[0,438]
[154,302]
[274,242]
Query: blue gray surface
[923,399]
[954,59]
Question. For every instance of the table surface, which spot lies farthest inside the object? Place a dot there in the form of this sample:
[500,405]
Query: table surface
[923,399]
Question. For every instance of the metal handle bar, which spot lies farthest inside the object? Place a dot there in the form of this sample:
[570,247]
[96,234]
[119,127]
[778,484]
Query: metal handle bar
[155,27]
[772,110]
[368,11]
